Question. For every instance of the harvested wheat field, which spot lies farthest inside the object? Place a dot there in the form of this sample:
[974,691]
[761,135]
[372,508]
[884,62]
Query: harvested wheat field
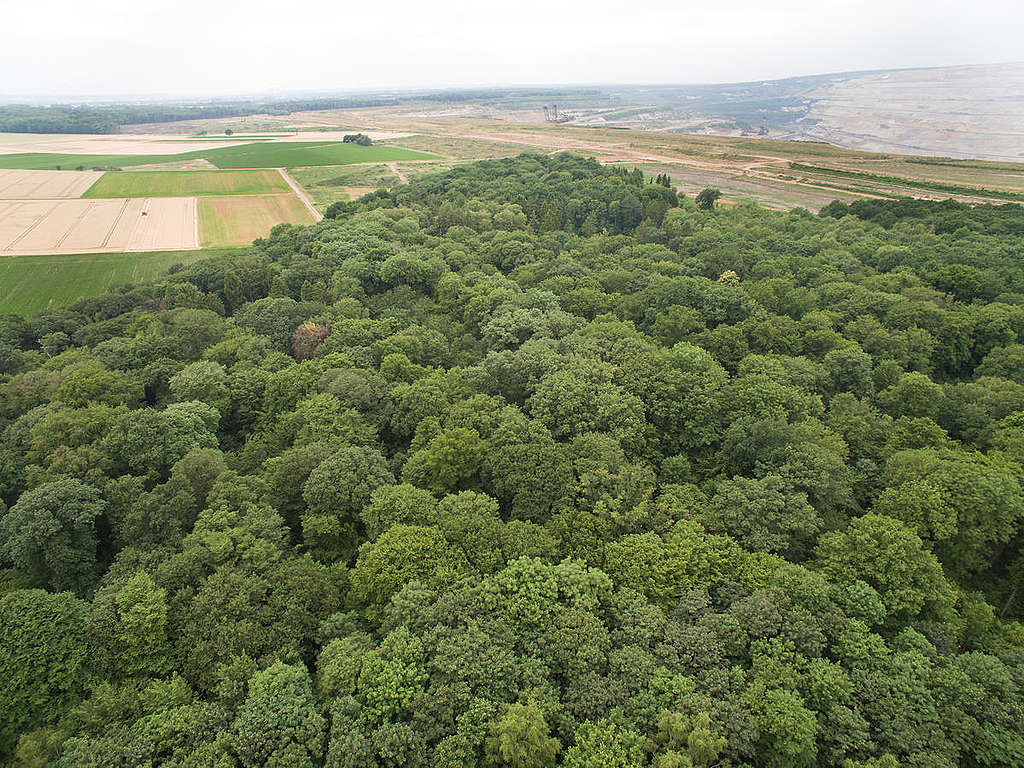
[102,144]
[45,185]
[84,226]
[241,219]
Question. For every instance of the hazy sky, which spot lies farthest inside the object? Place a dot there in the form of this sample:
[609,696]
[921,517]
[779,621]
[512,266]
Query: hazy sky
[111,47]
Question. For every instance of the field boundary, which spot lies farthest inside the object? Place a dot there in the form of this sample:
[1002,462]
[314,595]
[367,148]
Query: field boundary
[301,194]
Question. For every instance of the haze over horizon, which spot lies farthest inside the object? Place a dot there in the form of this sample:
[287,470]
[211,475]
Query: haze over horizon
[112,48]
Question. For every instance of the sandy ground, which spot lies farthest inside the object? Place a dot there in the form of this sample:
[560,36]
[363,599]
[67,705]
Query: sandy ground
[97,226]
[45,185]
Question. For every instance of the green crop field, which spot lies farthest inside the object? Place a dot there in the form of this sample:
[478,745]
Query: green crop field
[31,283]
[290,154]
[187,183]
[239,220]
[272,154]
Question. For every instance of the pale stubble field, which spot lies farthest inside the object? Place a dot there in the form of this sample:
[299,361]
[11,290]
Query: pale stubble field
[45,185]
[84,226]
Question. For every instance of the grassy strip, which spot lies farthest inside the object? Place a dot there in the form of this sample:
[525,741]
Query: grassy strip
[981,165]
[186,183]
[31,283]
[933,186]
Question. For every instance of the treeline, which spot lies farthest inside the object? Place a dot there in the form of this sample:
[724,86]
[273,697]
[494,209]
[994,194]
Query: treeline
[616,200]
[941,217]
[530,463]
[108,118]
[504,94]
[102,118]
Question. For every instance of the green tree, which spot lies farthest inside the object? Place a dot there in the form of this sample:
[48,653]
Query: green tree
[605,745]
[914,395]
[393,504]
[519,739]
[149,442]
[401,554]
[892,559]
[44,660]
[450,462]
[788,728]
[968,506]
[687,741]
[278,723]
[205,381]
[707,197]
[50,534]
[335,492]
[141,637]
[763,515]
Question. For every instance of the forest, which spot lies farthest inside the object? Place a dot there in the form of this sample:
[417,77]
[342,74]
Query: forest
[532,462]
[108,118]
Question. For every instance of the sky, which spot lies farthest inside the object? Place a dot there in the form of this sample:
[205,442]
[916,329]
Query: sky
[106,48]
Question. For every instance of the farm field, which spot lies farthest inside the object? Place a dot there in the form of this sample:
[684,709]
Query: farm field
[240,220]
[185,183]
[31,283]
[261,154]
[78,226]
[45,185]
[102,144]
[291,154]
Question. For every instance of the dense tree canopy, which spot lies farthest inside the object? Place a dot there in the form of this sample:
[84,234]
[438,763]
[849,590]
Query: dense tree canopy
[529,463]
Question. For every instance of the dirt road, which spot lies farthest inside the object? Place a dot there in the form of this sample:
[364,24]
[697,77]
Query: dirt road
[401,176]
[301,194]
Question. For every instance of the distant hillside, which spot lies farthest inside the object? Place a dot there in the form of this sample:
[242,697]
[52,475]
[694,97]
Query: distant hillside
[962,112]
[975,112]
